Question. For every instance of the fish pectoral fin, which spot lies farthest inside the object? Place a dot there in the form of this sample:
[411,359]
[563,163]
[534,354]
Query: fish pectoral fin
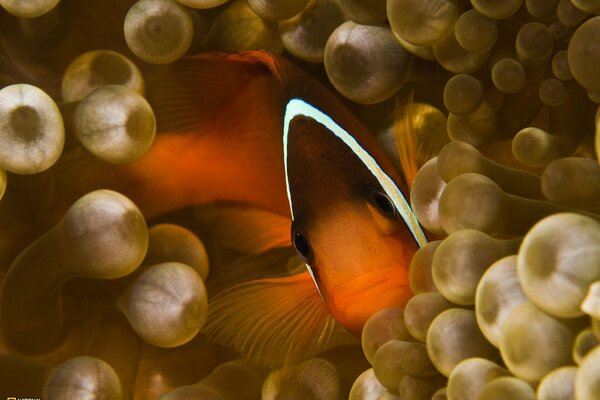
[419,136]
[252,230]
[405,137]
[276,321]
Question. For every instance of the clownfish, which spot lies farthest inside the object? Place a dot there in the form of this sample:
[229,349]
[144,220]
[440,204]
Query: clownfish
[254,128]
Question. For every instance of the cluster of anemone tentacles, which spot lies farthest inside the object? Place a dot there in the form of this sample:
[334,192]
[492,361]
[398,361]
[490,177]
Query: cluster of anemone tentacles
[502,105]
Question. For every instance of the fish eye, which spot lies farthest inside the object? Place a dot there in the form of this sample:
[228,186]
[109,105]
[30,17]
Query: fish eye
[301,243]
[383,203]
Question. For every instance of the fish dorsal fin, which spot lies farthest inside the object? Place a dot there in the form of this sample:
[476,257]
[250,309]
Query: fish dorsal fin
[275,321]
[251,230]
[191,93]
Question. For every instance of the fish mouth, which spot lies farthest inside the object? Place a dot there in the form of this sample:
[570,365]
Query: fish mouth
[356,300]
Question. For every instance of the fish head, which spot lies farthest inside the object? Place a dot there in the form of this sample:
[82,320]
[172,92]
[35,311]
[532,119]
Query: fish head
[351,224]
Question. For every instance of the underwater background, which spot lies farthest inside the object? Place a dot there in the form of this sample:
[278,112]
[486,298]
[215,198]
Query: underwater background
[487,108]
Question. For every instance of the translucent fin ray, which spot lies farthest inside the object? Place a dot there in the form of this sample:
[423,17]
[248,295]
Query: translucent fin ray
[276,322]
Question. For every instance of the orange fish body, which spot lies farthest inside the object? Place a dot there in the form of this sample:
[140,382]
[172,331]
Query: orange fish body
[217,141]
[222,119]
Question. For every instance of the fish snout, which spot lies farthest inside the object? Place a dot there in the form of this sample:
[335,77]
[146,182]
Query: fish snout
[354,301]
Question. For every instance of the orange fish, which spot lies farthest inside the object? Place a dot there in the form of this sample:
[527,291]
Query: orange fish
[244,128]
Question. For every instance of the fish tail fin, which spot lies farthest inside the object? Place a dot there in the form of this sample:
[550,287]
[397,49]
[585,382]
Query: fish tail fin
[275,321]
[405,136]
